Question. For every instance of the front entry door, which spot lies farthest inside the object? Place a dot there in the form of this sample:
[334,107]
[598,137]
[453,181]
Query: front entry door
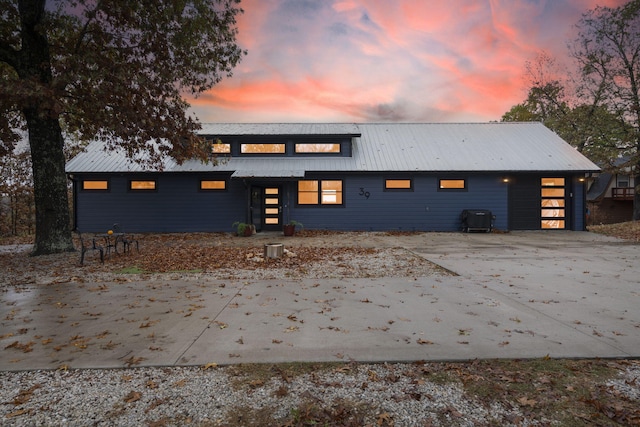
[537,202]
[272,208]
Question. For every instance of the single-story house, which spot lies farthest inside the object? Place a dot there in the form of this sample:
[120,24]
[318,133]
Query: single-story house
[372,177]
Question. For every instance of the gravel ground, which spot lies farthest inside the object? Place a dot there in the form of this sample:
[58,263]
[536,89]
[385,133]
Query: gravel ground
[368,394]
[192,395]
[393,395]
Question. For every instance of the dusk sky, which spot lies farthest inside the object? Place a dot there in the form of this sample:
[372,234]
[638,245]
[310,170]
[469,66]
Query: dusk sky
[388,60]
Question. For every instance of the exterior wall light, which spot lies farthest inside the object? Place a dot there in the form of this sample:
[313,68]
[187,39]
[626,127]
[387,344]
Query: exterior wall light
[505,179]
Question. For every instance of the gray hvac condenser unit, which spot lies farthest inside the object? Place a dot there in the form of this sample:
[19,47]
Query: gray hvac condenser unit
[477,220]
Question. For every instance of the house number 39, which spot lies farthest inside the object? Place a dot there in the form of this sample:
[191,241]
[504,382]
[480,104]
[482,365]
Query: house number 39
[366,194]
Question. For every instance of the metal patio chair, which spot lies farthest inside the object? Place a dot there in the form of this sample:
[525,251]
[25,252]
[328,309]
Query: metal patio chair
[86,246]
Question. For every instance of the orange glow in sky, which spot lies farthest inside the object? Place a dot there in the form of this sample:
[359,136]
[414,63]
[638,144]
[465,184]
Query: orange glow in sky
[399,61]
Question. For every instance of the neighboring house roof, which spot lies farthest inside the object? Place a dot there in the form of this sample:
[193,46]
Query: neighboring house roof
[599,187]
[379,147]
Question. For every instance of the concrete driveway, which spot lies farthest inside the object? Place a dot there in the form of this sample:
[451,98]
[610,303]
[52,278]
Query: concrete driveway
[513,295]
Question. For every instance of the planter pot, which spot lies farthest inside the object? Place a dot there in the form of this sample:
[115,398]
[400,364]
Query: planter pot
[288,229]
[248,232]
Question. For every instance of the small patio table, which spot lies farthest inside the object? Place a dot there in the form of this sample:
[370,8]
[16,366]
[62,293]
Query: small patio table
[111,241]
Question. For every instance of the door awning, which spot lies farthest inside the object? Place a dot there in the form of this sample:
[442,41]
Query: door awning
[247,173]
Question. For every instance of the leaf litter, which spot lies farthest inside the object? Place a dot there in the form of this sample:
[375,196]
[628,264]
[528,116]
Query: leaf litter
[544,391]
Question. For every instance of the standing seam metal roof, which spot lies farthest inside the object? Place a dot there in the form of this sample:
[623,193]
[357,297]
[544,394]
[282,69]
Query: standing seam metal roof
[380,147]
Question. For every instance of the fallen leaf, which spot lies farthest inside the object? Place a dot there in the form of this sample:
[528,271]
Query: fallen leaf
[134,361]
[133,396]
[385,419]
[25,395]
[527,402]
[221,325]
[17,413]
[24,347]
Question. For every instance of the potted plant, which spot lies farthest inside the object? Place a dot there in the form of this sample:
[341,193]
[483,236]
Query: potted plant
[289,228]
[243,229]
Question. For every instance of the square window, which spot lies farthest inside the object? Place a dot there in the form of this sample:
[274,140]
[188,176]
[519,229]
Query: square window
[326,192]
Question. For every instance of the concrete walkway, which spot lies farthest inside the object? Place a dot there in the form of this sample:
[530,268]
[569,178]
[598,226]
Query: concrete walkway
[515,295]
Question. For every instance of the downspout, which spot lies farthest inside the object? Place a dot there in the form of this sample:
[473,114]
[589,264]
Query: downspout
[74,198]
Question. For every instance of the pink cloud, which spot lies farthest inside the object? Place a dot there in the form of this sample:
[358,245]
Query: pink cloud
[352,60]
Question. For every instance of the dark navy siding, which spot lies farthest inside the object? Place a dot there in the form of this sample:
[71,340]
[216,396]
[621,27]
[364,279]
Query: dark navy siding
[176,206]
[423,209]
[179,206]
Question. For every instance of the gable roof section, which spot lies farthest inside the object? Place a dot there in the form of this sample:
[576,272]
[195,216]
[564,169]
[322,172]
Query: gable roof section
[381,147]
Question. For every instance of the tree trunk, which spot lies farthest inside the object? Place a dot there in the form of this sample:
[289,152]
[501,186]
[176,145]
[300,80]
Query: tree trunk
[53,223]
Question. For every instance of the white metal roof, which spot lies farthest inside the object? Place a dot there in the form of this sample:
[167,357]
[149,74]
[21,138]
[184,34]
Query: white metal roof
[264,129]
[381,147]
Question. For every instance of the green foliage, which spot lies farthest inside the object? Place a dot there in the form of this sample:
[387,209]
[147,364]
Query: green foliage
[241,227]
[296,224]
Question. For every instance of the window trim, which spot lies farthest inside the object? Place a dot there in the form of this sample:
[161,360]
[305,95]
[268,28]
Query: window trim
[319,202]
[398,189]
[463,189]
[143,190]
[96,190]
